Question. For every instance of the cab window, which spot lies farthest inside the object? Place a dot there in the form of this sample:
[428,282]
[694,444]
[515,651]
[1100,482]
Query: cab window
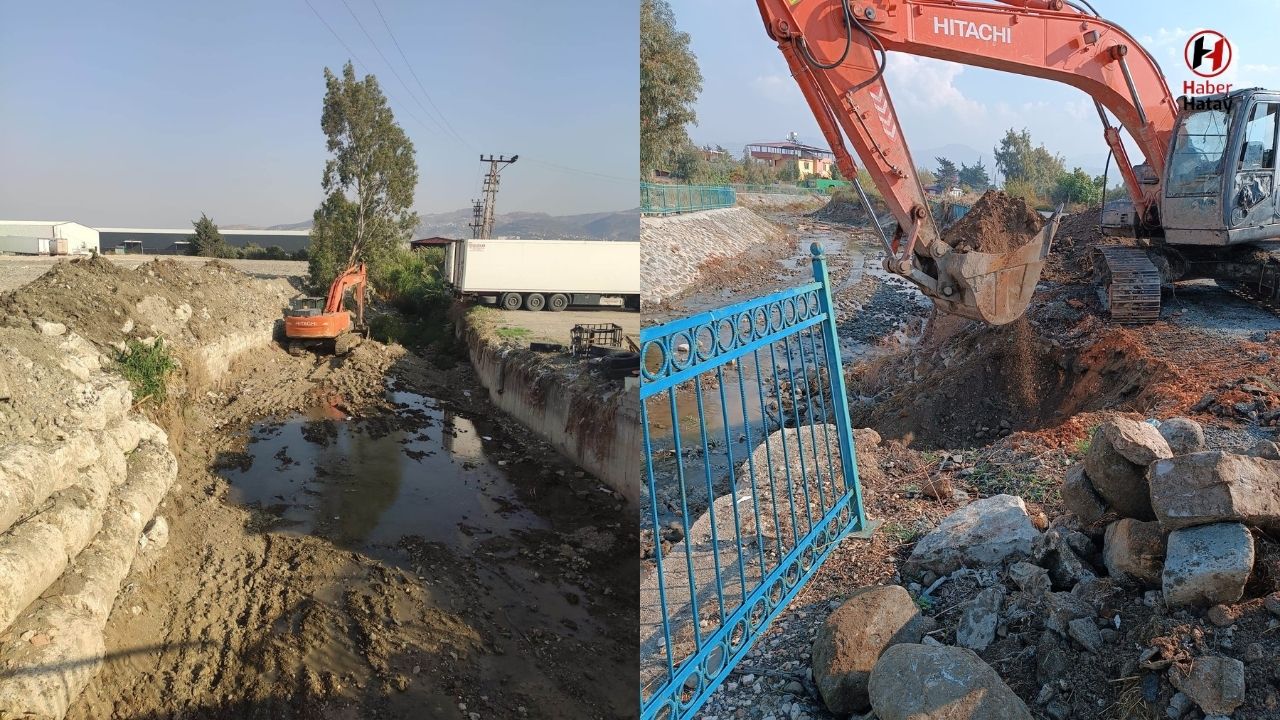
[1259,149]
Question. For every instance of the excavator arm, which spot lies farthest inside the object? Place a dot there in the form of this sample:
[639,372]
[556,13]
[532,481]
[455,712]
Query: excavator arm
[354,277]
[837,50]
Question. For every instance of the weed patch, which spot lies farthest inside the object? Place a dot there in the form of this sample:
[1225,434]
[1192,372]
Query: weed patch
[147,368]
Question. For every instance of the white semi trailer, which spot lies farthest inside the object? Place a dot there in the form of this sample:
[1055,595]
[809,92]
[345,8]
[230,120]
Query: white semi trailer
[545,274]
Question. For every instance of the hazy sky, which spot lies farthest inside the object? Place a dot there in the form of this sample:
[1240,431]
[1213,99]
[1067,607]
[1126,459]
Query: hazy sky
[146,113]
[749,95]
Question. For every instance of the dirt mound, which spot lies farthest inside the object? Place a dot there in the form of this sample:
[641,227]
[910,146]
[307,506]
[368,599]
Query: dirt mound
[1069,260]
[106,303]
[992,382]
[997,223]
[846,207]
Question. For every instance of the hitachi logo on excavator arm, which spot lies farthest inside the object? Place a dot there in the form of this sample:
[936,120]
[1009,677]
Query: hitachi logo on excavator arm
[968,29]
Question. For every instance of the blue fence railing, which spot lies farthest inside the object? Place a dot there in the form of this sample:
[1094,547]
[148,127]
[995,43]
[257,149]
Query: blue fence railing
[751,480]
[661,199]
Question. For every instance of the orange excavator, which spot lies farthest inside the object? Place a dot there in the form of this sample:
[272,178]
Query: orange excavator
[323,323]
[1204,204]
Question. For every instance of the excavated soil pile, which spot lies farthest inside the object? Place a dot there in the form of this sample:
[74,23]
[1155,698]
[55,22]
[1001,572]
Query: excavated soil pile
[1069,260]
[997,223]
[991,382]
[846,207]
[106,303]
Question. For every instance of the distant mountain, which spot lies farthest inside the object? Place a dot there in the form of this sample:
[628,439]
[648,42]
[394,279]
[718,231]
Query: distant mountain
[618,225]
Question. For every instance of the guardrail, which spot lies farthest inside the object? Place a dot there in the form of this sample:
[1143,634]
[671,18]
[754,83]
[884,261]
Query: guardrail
[661,199]
[749,452]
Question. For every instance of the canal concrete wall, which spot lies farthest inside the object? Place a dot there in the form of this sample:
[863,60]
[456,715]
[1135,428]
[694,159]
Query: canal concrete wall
[676,251]
[590,420]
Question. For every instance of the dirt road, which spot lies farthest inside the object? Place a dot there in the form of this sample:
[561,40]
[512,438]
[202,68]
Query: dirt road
[18,270]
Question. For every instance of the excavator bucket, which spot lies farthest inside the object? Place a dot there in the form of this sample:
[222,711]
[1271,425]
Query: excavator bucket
[996,288]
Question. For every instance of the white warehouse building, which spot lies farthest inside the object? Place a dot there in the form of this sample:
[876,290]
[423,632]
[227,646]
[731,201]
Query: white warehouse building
[47,237]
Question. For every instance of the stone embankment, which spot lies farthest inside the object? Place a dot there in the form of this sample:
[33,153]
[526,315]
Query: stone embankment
[676,251]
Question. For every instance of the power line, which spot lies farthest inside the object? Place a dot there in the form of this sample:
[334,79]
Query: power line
[415,76]
[392,67]
[566,168]
[364,66]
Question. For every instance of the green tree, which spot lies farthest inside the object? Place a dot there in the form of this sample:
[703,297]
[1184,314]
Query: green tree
[975,176]
[690,165]
[926,176]
[790,171]
[669,85]
[1077,187]
[835,172]
[208,241]
[1033,166]
[947,173]
[369,179]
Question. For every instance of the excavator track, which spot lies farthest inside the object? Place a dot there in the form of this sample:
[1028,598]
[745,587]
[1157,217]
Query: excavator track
[1128,284]
[1259,281]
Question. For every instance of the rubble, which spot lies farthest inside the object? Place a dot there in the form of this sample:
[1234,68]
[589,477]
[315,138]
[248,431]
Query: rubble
[1216,486]
[1207,564]
[1080,498]
[853,638]
[1184,435]
[979,619]
[919,682]
[1134,550]
[982,533]
[1117,461]
[1215,683]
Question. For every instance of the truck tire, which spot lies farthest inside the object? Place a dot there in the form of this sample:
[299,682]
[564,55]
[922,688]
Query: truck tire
[558,302]
[535,301]
[510,301]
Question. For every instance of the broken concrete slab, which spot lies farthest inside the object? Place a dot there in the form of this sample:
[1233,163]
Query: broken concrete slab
[1216,486]
[1207,564]
[1134,551]
[852,639]
[984,533]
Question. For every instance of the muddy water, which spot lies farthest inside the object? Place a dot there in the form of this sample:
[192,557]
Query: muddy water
[367,483]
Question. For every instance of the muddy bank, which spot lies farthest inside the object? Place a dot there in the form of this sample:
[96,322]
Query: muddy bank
[589,419]
[82,468]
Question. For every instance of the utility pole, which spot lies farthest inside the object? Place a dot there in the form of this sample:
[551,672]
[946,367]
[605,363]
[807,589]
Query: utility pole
[477,218]
[483,225]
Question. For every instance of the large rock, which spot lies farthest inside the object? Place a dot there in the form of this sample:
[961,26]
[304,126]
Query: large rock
[1117,463]
[1207,565]
[1080,498]
[983,533]
[979,619]
[854,636]
[1216,486]
[1134,551]
[920,682]
[1213,682]
[1184,435]
[1264,449]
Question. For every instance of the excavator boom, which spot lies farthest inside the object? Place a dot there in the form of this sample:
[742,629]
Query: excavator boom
[836,50]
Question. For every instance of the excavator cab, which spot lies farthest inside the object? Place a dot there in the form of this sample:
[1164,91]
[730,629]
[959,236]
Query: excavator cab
[1220,181]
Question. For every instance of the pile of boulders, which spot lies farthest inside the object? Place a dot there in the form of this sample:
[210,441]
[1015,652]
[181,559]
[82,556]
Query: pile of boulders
[1157,521]
[1172,514]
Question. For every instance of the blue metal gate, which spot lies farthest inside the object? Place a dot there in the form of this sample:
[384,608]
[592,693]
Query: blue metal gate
[751,481]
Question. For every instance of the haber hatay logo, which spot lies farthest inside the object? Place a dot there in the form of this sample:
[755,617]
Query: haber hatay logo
[1208,53]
